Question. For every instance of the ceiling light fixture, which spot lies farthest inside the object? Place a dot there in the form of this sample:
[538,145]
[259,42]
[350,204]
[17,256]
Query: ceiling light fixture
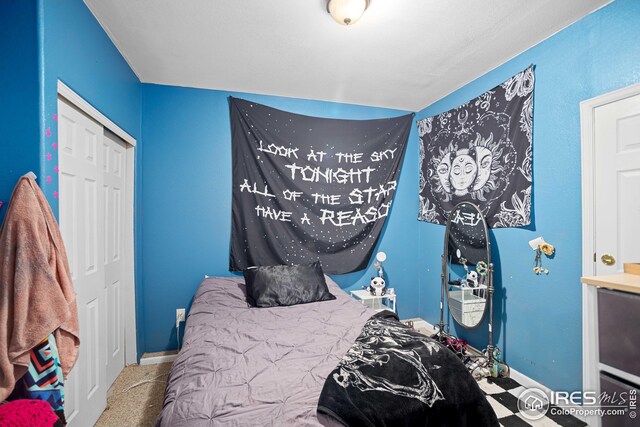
[347,12]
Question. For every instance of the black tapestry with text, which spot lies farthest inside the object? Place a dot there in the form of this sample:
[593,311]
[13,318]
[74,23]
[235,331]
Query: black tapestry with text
[309,188]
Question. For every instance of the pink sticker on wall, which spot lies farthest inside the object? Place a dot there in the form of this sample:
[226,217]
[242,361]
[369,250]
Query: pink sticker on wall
[55,145]
[55,194]
[57,169]
[49,179]
[47,132]
[55,117]
[49,156]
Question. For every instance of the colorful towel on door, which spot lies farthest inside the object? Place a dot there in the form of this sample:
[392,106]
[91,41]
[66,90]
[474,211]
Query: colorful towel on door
[43,380]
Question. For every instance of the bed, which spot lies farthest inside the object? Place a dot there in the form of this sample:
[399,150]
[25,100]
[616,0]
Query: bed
[245,366]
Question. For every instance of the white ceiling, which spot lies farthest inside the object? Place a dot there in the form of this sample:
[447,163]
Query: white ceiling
[403,54]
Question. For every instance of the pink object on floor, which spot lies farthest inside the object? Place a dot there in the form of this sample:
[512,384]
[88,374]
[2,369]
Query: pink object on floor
[27,413]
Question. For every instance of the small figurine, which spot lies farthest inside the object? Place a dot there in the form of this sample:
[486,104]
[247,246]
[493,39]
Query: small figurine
[472,279]
[481,269]
[377,286]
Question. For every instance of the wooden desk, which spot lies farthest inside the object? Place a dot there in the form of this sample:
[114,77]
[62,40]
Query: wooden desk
[622,282]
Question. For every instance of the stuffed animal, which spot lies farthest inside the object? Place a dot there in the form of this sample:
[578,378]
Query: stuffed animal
[472,279]
[377,286]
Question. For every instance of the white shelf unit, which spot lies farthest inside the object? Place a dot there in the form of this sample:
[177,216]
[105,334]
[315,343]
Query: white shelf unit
[378,303]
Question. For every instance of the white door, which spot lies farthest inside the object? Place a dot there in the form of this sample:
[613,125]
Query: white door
[611,206]
[114,170]
[617,184]
[92,165]
[80,141]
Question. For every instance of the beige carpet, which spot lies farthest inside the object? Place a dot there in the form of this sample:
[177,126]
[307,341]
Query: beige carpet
[135,398]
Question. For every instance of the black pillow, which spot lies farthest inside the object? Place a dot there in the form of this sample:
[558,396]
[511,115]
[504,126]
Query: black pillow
[280,285]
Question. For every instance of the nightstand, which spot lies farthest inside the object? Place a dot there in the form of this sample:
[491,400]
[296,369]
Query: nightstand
[385,302]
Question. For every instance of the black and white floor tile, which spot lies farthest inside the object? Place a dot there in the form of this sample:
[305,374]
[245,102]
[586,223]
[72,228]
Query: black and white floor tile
[502,394]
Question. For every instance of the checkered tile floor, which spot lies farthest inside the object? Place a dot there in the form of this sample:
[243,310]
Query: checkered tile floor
[502,394]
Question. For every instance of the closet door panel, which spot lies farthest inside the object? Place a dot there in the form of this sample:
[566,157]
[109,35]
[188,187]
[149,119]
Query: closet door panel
[114,184]
[81,216]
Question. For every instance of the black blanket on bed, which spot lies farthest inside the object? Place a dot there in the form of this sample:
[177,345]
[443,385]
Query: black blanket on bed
[395,376]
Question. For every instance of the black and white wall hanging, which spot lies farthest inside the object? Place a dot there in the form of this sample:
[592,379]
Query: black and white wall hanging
[481,152]
[308,188]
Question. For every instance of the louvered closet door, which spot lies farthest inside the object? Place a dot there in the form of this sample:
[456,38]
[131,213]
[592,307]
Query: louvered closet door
[82,224]
[113,170]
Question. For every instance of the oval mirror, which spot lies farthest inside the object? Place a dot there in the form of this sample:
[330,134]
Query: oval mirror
[467,255]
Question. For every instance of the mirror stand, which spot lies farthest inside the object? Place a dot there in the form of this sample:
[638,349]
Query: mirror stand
[441,335]
[470,296]
[490,290]
[441,332]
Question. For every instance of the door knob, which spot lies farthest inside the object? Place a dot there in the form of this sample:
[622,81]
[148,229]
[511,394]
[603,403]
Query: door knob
[608,259]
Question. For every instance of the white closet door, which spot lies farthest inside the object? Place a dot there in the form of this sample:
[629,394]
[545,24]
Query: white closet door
[114,170]
[82,224]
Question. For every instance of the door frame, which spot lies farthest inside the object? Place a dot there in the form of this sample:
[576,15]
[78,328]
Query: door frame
[589,293]
[129,293]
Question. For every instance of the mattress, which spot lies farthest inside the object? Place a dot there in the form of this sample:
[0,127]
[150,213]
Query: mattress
[245,366]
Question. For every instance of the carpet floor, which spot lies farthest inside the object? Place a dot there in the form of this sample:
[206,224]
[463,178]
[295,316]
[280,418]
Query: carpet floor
[135,398]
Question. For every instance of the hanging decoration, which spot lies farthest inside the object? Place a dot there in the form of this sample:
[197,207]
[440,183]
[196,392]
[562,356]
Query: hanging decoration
[543,248]
[308,188]
[481,152]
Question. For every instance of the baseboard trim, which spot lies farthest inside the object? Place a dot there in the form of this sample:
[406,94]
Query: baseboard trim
[527,382]
[158,359]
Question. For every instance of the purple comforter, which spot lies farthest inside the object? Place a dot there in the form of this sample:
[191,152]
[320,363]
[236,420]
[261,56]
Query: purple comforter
[242,366]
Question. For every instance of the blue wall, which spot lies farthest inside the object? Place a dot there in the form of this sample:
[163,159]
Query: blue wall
[539,325]
[187,201]
[19,94]
[75,49]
